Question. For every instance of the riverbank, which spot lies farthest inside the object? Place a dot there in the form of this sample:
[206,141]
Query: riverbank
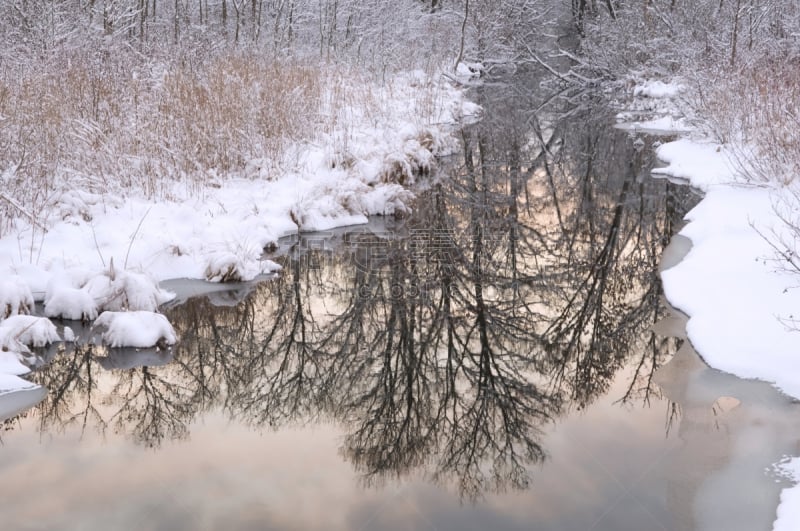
[737,283]
[87,244]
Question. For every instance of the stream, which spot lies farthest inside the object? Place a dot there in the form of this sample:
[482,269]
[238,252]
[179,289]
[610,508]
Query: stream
[500,359]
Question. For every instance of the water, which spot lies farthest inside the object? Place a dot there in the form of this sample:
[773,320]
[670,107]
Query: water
[501,359]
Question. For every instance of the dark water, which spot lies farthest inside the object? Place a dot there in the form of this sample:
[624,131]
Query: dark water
[494,361]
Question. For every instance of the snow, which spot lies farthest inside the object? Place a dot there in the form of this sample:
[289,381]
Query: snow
[140,329]
[742,303]
[17,333]
[665,124]
[10,369]
[70,303]
[789,508]
[217,230]
[22,331]
[192,230]
[10,383]
[126,290]
[15,297]
[657,89]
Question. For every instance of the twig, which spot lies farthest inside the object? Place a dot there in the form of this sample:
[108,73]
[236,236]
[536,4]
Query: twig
[133,237]
[22,209]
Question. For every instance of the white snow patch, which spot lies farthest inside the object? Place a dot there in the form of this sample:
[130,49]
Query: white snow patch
[702,163]
[140,329]
[657,89]
[10,369]
[10,365]
[466,71]
[662,124]
[10,383]
[788,514]
[17,333]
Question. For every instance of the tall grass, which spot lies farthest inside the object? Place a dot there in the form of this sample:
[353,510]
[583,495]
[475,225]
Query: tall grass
[124,123]
[756,109]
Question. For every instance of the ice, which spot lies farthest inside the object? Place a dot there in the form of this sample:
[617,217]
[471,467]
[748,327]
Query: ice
[140,329]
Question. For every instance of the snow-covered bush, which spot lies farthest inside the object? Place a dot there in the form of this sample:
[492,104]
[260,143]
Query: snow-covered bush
[15,297]
[21,331]
[126,290]
[138,329]
[71,303]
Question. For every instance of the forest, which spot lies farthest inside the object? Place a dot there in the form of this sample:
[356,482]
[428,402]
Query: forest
[110,94]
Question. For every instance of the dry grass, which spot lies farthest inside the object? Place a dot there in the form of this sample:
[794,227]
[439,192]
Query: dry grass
[123,123]
[757,108]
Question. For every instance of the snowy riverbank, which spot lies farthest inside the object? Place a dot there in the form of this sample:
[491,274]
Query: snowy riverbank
[218,231]
[741,299]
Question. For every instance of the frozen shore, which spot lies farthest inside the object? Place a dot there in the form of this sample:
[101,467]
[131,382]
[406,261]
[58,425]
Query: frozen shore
[86,253]
[741,298]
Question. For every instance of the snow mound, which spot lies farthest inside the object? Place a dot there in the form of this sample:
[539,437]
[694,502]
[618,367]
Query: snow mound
[657,89]
[9,383]
[20,331]
[227,266]
[703,163]
[467,71]
[139,329]
[34,277]
[126,290]
[15,297]
[10,365]
[71,303]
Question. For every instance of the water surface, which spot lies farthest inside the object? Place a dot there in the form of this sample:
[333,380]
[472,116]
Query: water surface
[500,359]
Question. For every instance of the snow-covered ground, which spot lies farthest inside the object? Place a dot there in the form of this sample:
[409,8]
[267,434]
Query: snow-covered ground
[93,252]
[741,300]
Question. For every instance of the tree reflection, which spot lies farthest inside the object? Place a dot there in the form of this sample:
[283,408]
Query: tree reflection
[525,281]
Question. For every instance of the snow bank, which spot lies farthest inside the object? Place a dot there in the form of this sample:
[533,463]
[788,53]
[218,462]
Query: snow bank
[217,229]
[10,369]
[17,333]
[742,303]
[140,329]
[739,300]
[789,508]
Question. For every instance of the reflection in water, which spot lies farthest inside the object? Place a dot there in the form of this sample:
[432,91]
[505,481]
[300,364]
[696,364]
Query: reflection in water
[442,345]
